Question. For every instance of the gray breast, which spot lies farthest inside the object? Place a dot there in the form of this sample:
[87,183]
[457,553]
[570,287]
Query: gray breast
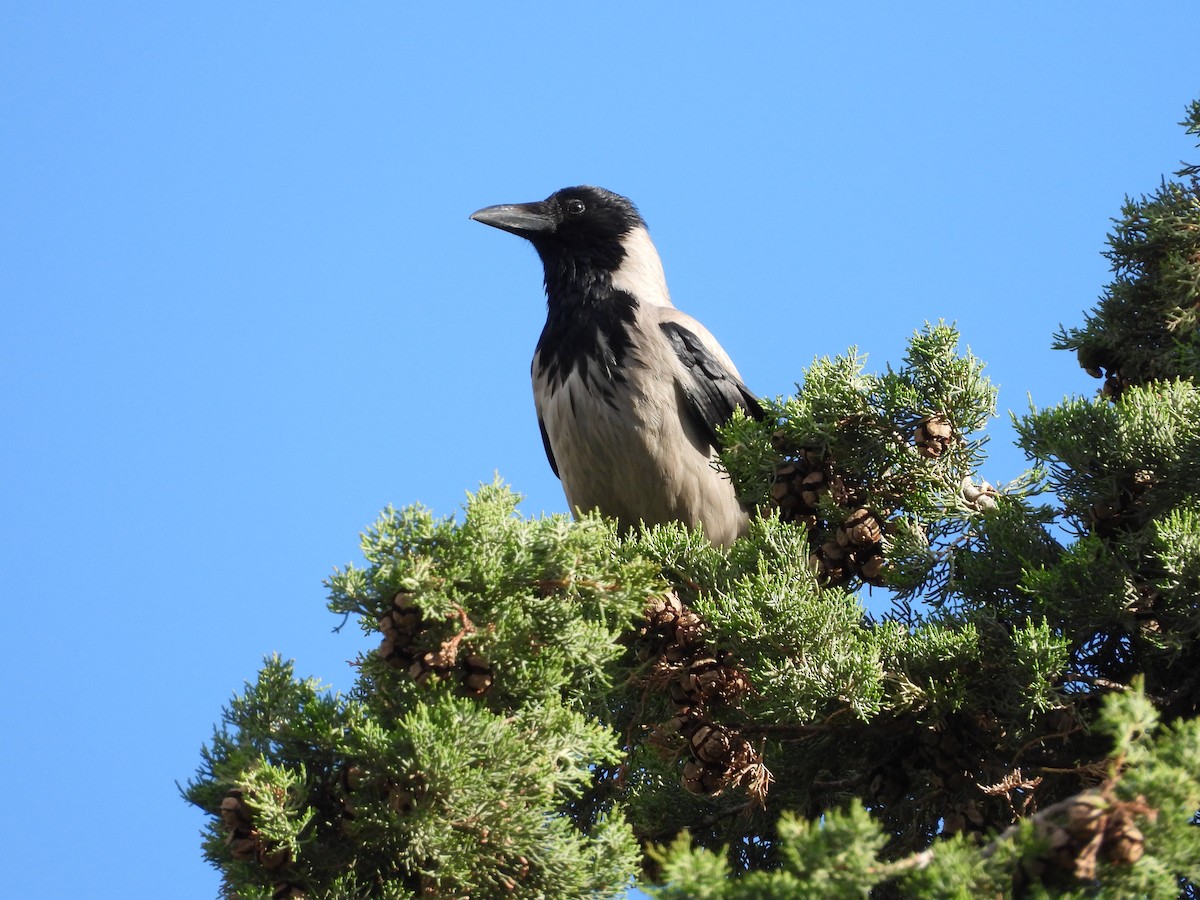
[626,448]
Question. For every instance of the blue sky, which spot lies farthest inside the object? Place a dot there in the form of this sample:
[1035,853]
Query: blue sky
[244,308]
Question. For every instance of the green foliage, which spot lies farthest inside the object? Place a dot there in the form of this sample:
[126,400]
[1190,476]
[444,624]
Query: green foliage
[839,855]
[867,430]
[867,422]
[1126,461]
[408,787]
[1147,325]
[767,608]
[548,709]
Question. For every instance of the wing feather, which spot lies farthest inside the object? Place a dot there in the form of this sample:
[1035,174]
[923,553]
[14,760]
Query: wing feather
[710,387]
[546,444]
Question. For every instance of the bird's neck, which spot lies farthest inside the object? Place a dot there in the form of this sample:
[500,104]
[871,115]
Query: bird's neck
[640,272]
[592,308]
[588,329]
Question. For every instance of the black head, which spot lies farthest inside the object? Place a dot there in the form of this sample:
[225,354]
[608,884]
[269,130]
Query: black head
[580,226]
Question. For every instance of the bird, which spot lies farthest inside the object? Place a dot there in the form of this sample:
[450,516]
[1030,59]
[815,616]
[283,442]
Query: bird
[629,391]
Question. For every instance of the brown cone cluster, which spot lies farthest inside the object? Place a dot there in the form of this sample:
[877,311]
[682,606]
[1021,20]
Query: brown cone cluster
[247,845]
[855,551]
[401,626]
[407,644]
[933,436]
[845,532]
[698,679]
[1084,830]
[803,480]
[806,487]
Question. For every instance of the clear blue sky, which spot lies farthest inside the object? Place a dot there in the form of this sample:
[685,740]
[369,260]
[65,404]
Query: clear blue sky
[244,309]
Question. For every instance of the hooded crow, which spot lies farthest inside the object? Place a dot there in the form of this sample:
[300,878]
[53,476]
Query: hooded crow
[629,391]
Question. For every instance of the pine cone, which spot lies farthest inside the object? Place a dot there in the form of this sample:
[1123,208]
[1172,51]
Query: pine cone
[686,720]
[812,486]
[832,561]
[784,489]
[890,783]
[719,745]
[703,779]
[861,529]
[872,570]
[797,488]
[434,662]
[241,839]
[712,744]
[401,799]
[1115,384]
[707,679]
[477,677]
[396,655]
[235,812]
[933,436]
[405,617]
[694,676]
[400,626]
[1124,844]
[690,629]
[722,757]
[663,612]
[243,845]
[978,496]
[350,780]
[1093,826]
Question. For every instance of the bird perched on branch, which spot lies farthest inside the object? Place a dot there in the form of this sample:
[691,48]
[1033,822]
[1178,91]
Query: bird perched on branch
[629,390]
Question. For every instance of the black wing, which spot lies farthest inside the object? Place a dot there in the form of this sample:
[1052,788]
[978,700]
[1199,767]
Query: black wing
[546,444]
[711,390]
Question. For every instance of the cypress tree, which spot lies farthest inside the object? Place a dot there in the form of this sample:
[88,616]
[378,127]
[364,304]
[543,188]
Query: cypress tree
[553,709]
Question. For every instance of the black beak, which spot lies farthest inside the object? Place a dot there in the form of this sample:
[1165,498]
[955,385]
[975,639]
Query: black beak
[524,219]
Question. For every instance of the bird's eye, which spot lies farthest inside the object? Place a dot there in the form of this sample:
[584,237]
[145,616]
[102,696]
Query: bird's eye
[575,207]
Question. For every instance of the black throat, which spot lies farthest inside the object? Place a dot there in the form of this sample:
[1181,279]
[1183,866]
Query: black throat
[588,325]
